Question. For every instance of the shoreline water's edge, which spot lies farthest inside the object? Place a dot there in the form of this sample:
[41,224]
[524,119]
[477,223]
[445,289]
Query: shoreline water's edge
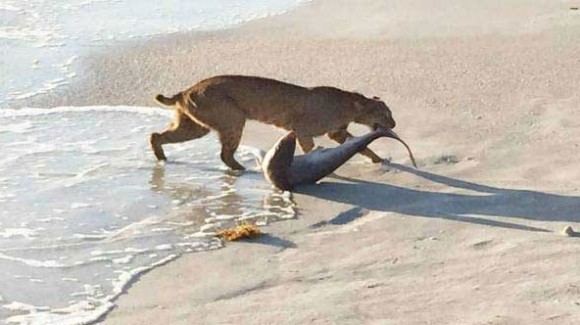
[80,55]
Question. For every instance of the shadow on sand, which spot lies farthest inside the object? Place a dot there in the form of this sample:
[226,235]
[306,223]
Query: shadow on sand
[271,240]
[487,201]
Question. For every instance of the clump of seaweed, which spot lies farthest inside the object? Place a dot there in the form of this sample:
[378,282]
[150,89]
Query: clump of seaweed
[243,230]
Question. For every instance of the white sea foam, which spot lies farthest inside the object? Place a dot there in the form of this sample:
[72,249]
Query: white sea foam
[117,219]
[19,306]
[9,7]
[30,262]
[86,311]
[29,112]
[18,232]
[16,127]
[79,205]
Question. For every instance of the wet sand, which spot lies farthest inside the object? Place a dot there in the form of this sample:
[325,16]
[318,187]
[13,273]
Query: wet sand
[487,96]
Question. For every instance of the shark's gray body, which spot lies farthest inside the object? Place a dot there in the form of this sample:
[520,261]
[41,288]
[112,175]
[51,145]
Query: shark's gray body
[285,171]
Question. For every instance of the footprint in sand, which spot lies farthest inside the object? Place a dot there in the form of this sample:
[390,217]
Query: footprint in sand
[482,244]
[441,160]
[549,115]
[446,160]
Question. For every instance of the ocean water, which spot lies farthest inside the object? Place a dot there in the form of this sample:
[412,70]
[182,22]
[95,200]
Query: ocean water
[40,40]
[84,206]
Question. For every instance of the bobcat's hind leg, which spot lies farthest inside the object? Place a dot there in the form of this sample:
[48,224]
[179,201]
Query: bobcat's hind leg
[181,130]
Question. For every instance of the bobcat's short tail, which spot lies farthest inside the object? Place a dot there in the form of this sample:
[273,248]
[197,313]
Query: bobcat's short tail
[167,101]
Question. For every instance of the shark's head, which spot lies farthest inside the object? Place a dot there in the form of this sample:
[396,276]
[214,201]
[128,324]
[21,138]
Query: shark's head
[277,161]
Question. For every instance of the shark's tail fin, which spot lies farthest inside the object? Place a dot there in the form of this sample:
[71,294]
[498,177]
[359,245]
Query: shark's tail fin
[391,134]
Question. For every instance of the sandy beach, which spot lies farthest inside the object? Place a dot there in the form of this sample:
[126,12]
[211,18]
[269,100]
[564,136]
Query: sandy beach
[486,94]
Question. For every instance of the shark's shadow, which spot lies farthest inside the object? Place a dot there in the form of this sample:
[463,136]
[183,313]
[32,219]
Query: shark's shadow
[486,201]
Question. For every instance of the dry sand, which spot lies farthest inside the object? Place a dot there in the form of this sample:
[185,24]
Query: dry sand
[485,92]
